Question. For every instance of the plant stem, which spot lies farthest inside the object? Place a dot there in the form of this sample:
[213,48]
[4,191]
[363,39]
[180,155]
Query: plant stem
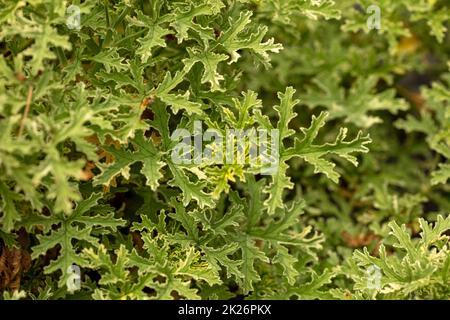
[27,110]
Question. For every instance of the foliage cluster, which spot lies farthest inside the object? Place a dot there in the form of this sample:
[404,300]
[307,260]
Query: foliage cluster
[87,178]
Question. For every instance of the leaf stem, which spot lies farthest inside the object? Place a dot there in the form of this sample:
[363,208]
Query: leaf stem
[27,110]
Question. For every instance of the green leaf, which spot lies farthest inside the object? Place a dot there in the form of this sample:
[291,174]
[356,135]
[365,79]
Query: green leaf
[313,154]
[77,226]
[145,152]
[250,253]
[155,36]
[233,40]
[191,190]
[184,18]
[110,60]
[44,38]
[9,211]
[357,105]
[288,263]
[210,62]
[441,175]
